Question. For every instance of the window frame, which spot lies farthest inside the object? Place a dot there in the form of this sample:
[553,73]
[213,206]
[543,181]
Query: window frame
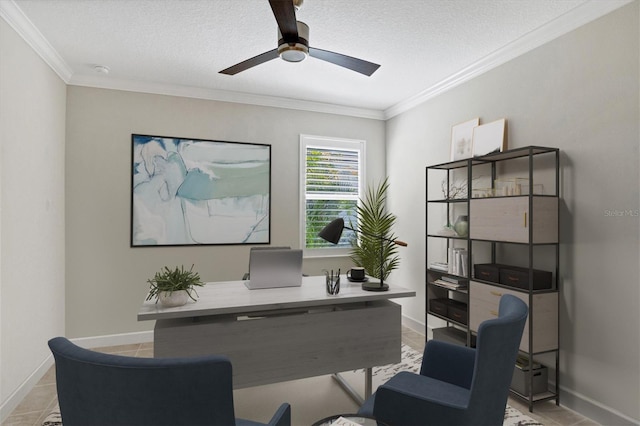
[325,142]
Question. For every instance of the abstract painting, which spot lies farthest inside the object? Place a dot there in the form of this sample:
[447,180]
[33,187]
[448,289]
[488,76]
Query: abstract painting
[194,191]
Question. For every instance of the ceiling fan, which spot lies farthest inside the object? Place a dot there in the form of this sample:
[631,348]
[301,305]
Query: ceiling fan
[293,44]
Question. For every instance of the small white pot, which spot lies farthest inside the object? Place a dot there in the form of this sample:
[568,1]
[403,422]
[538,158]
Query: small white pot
[170,299]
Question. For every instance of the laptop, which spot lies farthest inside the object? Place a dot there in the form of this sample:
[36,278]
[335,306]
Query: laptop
[274,267]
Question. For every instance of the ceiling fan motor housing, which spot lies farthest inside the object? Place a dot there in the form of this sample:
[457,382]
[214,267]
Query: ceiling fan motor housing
[295,50]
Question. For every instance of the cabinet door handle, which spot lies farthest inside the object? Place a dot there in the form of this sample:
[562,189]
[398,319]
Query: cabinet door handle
[494,313]
[496,293]
[525,219]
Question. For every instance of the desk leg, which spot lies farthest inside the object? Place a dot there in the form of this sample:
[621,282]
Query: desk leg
[368,380]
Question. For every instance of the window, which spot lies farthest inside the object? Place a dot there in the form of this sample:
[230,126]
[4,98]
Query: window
[332,176]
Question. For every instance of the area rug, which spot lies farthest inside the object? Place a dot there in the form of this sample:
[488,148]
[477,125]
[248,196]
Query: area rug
[53,419]
[410,361]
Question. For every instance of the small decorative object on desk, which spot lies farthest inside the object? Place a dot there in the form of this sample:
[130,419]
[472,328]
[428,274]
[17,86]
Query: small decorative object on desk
[357,274]
[174,287]
[333,282]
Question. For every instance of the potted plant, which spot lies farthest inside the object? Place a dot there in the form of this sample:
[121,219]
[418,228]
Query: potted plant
[174,287]
[374,220]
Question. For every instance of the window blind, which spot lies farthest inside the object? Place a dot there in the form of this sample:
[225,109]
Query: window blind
[332,190]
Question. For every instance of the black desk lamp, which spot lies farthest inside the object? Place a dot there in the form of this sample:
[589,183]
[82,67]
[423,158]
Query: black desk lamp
[332,233]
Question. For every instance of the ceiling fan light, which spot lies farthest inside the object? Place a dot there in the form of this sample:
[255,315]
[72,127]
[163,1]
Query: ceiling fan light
[295,50]
[293,53]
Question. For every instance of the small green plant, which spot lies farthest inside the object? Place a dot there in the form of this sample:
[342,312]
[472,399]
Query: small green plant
[174,280]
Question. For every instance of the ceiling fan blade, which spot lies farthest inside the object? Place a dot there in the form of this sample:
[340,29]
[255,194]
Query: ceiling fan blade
[354,64]
[285,14]
[249,63]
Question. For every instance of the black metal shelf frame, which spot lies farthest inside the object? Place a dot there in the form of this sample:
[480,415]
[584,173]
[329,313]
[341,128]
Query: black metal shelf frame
[493,160]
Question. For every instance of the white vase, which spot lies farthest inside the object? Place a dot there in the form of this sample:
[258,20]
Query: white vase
[170,299]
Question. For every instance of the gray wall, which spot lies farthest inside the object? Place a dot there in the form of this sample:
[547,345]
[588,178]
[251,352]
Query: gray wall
[578,93]
[106,279]
[32,130]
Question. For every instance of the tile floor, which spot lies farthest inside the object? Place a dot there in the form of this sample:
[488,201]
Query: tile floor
[42,399]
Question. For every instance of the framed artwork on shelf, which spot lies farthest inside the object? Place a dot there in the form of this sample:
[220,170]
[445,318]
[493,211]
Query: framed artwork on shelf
[490,138]
[461,139]
[199,192]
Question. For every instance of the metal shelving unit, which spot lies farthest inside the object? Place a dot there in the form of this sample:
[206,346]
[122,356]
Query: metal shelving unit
[492,244]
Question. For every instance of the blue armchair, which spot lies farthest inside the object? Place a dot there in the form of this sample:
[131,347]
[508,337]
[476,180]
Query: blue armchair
[457,385]
[103,389]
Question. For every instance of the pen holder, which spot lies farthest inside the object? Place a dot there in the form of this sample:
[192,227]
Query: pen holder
[333,284]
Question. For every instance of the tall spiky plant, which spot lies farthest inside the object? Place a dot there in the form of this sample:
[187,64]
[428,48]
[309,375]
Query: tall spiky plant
[374,220]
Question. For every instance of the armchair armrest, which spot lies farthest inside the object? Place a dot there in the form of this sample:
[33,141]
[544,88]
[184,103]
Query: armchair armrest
[449,363]
[282,417]
[408,397]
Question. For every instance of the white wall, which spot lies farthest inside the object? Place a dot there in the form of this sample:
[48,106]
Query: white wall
[579,93]
[32,132]
[106,279]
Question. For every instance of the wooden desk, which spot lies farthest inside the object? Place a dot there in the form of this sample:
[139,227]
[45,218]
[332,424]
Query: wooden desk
[280,334]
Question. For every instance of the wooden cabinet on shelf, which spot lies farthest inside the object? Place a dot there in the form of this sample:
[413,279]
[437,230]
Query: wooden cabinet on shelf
[509,219]
[543,331]
[510,201]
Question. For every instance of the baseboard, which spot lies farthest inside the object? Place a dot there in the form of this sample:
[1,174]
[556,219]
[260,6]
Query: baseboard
[413,324]
[12,402]
[114,339]
[594,410]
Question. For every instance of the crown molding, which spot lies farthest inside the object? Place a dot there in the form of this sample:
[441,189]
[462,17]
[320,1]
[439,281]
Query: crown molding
[222,95]
[571,20]
[14,16]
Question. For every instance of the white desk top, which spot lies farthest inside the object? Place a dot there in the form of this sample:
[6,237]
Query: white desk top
[233,297]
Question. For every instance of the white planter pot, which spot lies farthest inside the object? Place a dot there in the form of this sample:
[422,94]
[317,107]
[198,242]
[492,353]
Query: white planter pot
[171,299]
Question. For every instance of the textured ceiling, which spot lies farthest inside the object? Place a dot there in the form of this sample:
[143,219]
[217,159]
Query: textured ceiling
[183,44]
